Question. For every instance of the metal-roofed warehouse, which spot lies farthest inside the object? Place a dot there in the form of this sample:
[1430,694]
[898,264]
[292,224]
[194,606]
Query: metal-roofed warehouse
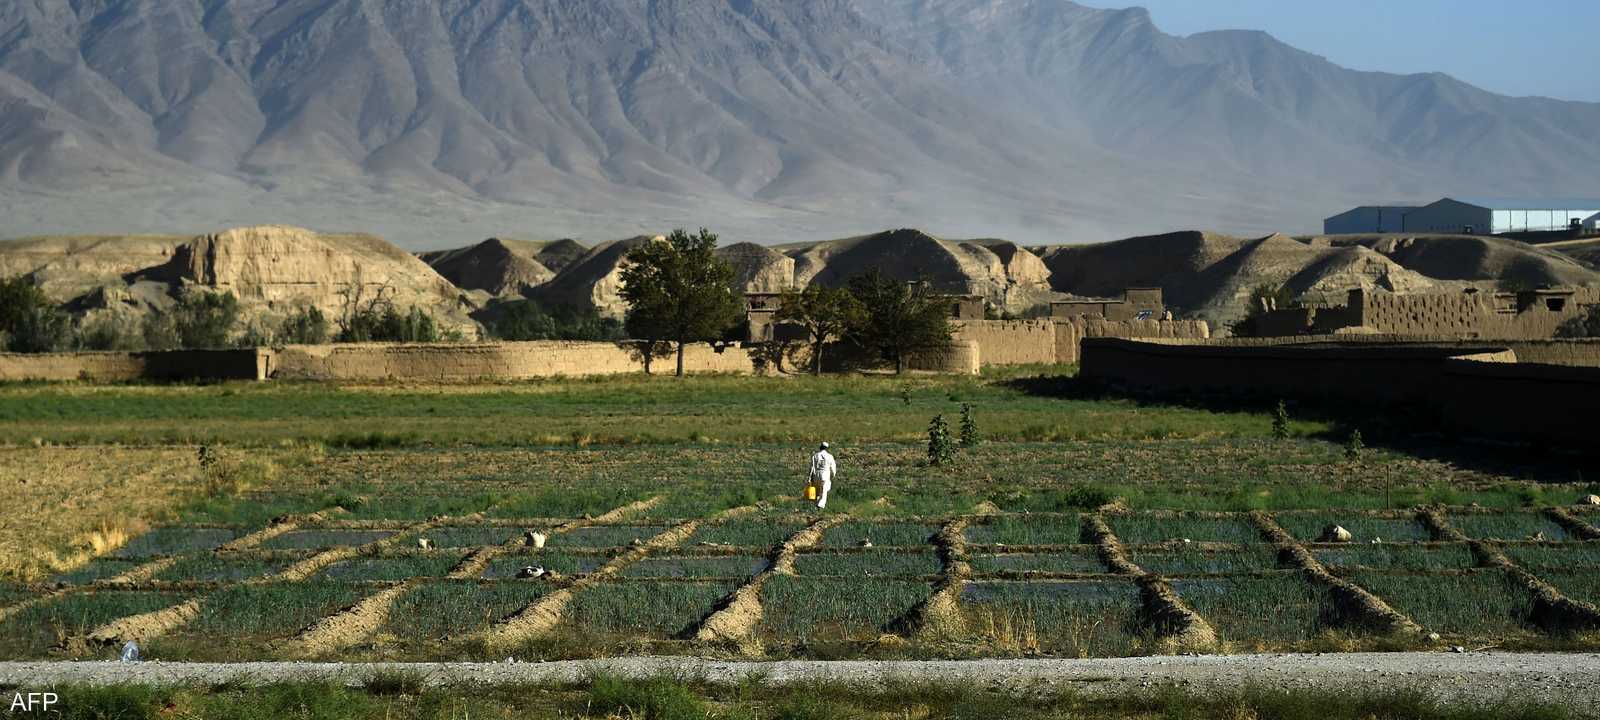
[1471,216]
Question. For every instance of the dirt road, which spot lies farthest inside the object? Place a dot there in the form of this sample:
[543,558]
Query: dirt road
[1566,678]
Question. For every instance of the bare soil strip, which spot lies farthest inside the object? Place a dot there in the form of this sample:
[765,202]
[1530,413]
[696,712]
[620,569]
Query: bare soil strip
[1552,610]
[1563,678]
[358,622]
[1573,524]
[544,614]
[1356,605]
[736,617]
[279,526]
[939,618]
[1177,624]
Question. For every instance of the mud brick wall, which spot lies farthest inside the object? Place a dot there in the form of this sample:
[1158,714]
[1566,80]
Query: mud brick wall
[509,360]
[129,366]
[1477,390]
[1056,340]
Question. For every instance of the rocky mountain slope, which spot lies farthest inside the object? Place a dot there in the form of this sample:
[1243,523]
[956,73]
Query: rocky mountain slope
[766,120]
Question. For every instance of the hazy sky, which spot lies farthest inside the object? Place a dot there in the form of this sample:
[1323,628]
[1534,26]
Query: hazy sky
[1515,47]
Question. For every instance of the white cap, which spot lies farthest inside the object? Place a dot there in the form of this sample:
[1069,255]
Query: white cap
[824,446]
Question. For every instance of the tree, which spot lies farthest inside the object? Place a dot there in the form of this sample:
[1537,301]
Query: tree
[307,326]
[826,314]
[205,319]
[1586,325]
[528,320]
[679,291]
[29,322]
[898,318]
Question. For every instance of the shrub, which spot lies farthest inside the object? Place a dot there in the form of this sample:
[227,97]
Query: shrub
[111,332]
[969,427]
[29,322]
[1280,421]
[1586,325]
[307,326]
[528,320]
[1354,446]
[940,449]
[386,324]
[653,699]
[205,319]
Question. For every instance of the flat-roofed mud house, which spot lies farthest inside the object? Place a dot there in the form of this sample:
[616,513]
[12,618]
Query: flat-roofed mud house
[1135,304]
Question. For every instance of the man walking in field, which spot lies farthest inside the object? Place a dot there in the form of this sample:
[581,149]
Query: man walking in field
[823,469]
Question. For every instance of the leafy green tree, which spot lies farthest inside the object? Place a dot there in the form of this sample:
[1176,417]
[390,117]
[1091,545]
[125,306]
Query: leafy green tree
[205,320]
[29,322]
[109,331]
[306,326]
[898,318]
[160,331]
[826,314]
[387,324]
[679,291]
[528,320]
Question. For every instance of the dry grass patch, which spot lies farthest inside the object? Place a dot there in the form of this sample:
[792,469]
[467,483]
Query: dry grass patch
[61,507]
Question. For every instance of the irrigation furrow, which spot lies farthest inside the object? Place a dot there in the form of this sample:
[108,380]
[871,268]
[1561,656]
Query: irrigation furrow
[1354,602]
[736,616]
[146,571]
[1573,524]
[358,622]
[277,527]
[1177,624]
[544,614]
[1552,609]
[160,622]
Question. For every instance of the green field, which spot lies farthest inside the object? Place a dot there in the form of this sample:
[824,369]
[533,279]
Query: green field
[470,468]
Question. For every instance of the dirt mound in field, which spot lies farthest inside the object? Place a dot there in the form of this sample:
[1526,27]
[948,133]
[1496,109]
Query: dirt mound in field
[758,269]
[1006,275]
[495,266]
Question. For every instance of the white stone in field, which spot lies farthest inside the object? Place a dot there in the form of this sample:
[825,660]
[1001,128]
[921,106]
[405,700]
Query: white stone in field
[1335,533]
[424,543]
[1590,500]
[534,539]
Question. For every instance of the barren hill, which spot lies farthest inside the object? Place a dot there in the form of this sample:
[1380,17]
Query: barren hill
[501,268]
[1212,275]
[1038,120]
[593,280]
[272,269]
[758,269]
[1003,273]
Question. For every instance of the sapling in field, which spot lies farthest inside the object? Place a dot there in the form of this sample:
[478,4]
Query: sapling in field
[1280,421]
[1354,446]
[940,449]
[969,427]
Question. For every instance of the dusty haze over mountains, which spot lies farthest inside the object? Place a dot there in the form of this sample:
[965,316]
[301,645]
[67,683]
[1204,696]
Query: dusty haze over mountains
[438,123]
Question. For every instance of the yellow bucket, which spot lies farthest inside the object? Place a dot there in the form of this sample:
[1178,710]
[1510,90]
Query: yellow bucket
[811,492]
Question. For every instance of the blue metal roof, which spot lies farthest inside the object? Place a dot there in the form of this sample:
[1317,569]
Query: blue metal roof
[1531,204]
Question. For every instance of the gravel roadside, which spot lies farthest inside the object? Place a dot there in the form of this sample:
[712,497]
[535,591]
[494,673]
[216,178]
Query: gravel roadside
[1568,679]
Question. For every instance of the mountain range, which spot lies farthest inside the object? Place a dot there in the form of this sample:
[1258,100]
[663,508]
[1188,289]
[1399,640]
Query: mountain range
[773,121]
